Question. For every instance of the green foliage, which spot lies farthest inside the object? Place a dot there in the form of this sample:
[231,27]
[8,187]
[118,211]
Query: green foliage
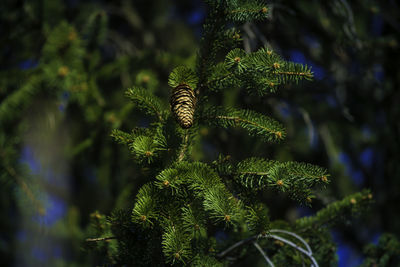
[18,100]
[194,220]
[320,240]
[144,143]
[146,148]
[122,137]
[169,178]
[260,72]
[223,207]
[258,219]
[146,101]
[335,212]
[176,244]
[206,261]
[385,253]
[234,60]
[187,199]
[243,10]
[293,177]
[138,245]
[200,176]
[182,75]
[256,124]
[145,210]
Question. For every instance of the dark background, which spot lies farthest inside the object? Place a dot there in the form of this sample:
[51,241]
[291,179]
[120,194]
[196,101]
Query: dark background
[54,135]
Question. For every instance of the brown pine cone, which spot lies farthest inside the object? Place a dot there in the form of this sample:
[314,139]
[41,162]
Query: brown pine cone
[183,102]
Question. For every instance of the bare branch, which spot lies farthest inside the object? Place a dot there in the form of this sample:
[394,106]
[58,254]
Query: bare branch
[294,235]
[236,245]
[263,254]
[290,243]
[307,252]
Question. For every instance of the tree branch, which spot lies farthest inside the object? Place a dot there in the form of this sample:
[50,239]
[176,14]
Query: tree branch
[184,147]
[307,252]
[100,239]
[263,254]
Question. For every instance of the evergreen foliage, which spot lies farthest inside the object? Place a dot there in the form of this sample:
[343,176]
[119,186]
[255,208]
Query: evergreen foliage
[146,101]
[182,75]
[385,253]
[204,179]
[256,124]
[188,200]
[259,72]
[63,65]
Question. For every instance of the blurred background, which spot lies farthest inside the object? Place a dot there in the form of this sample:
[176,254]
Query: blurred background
[65,65]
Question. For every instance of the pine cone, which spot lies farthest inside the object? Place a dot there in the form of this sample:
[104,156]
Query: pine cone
[183,102]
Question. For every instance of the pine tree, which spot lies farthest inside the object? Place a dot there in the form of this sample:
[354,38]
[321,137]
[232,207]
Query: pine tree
[210,145]
[346,118]
[57,162]
[186,204]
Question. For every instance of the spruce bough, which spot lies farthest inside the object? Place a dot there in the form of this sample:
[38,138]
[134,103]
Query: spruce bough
[179,212]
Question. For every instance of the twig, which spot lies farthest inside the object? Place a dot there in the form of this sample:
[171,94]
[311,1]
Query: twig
[184,147]
[100,239]
[247,40]
[290,243]
[236,245]
[263,254]
[294,235]
[260,35]
[310,126]
[351,27]
[307,252]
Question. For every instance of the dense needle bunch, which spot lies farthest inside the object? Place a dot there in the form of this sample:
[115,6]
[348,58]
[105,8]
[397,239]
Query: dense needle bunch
[186,202]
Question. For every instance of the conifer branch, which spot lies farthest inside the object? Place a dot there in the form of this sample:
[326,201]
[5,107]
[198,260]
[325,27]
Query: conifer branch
[242,11]
[213,25]
[176,244]
[145,100]
[182,75]
[122,137]
[218,79]
[184,197]
[254,10]
[350,205]
[292,72]
[238,119]
[257,218]
[25,188]
[296,178]
[306,75]
[100,239]
[255,123]
[145,209]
